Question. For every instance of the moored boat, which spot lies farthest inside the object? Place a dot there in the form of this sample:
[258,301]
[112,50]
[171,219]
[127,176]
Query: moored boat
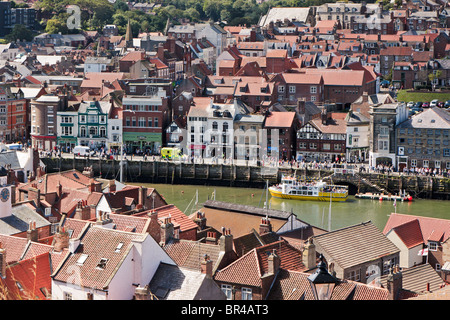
[384,197]
[293,188]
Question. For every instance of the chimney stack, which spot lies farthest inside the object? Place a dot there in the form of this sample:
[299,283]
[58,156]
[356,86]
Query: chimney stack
[167,231]
[226,241]
[273,262]
[394,282]
[142,196]
[206,266]
[34,194]
[2,261]
[112,186]
[82,211]
[200,220]
[32,233]
[59,190]
[61,240]
[265,226]
[142,293]
[211,237]
[153,227]
[309,255]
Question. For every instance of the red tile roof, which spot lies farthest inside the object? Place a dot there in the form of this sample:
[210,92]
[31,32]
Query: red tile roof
[178,217]
[249,269]
[29,279]
[409,233]
[95,79]
[433,229]
[278,119]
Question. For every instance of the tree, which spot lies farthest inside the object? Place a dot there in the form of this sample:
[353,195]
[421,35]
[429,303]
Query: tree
[19,32]
[55,26]
[435,75]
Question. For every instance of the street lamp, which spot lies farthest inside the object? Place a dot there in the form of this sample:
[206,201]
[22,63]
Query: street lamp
[322,282]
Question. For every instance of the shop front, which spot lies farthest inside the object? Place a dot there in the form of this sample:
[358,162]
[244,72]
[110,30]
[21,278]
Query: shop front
[147,142]
[66,144]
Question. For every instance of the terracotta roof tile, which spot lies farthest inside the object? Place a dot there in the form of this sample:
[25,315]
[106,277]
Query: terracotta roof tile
[410,233]
[280,119]
[433,229]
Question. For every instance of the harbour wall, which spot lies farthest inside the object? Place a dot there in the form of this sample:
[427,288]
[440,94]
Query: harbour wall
[425,187]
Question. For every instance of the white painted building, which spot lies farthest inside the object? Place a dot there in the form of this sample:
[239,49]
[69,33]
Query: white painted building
[210,128]
[125,261]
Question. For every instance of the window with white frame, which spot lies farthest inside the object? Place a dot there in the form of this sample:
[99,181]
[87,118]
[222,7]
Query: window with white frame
[432,246]
[426,163]
[228,290]
[291,89]
[413,163]
[313,89]
[67,296]
[281,89]
[246,293]
[354,275]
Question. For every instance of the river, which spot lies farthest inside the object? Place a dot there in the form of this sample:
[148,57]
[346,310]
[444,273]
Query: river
[316,213]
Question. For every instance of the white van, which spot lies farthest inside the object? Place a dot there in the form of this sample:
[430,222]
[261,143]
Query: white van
[81,150]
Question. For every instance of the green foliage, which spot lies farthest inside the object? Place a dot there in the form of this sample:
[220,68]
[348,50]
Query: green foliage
[19,32]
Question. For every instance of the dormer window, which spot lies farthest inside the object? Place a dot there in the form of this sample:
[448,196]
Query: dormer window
[102,264]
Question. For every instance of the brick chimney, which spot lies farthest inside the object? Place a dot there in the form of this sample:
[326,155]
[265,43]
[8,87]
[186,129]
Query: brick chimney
[82,211]
[301,106]
[32,232]
[309,255]
[200,220]
[112,186]
[207,266]
[58,190]
[365,96]
[2,261]
[142,196]
[34,194]
[167,230]
[394,282]
[142,293]
[211,237]
[226,241]
[61,240]
[153,227]
[265,226]
[273,262]
[104,220]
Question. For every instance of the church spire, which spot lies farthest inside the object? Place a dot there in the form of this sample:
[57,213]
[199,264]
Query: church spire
[129,35]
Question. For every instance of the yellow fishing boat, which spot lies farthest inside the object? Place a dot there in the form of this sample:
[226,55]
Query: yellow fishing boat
[295,189]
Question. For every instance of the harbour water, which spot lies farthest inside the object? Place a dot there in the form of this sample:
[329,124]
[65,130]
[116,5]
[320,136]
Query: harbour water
[317,213]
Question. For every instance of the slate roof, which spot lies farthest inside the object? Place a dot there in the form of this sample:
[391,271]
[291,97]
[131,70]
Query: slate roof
[429,119]
[175,283]
[355,245]
[20,218]
[10,158]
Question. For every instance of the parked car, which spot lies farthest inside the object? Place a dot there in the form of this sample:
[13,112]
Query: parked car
[447,104]
[418,105]
[440,104]
[425,105]
[415,110]
[434,103]
[410,104]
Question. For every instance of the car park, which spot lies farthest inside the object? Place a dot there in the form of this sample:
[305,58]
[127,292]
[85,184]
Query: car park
[425,105]
[440,104]
[447,104]
[410,104]
[418,104]
[433,103]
